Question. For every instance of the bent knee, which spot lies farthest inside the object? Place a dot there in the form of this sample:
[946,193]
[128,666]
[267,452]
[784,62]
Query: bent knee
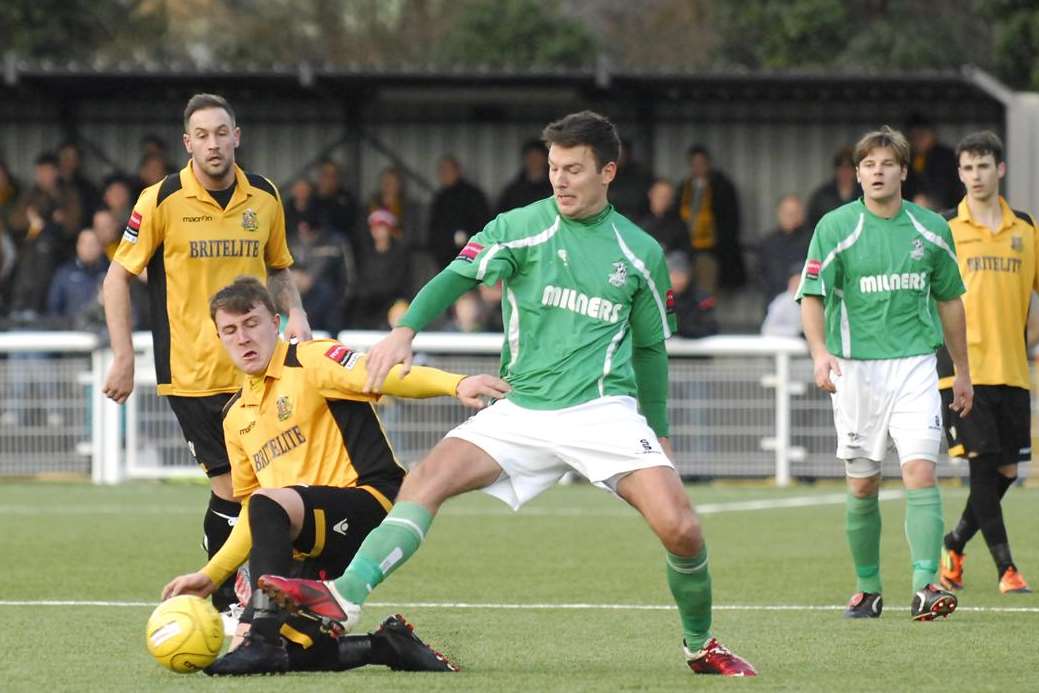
[681,534]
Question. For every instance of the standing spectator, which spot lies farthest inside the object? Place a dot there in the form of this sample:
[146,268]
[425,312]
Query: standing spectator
[694,308]
[631,185]
[75,287]
[48,203]
[321,259]
[531,183]
[663,222]
[301,206]
[392,196]
[384,276]
[459,210]
[711,212]
[116,198]
[334,205]
[9,193]
[786,246]
[933,170]
[843,188]
[70,167]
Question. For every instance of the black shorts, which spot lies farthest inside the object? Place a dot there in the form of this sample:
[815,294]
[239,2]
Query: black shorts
[202,422]
[335,522]
[1000,423]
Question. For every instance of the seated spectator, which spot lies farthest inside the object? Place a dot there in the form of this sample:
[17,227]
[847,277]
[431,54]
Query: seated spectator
[663,222]
[300,206]
[841,189]
[116,198]
[334,205]
[321,259]
[631,184]
[73,296]
[783,317]
[694,308]
[491,297]
[153,145]
[70,167]
[150,171]
[459,210]
[109,231]
[467,314]
[392,196]
[531,183]
[785,246]
[384,275]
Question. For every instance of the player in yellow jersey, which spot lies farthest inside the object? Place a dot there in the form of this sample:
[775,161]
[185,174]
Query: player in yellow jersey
[315,471]
[194,232]
[996,247]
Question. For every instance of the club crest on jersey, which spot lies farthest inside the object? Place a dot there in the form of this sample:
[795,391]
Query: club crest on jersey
[284,407]
[918,249]
[469,252]
[249,220]
[564,257]
[812,269]
[1017,243]
[620,274]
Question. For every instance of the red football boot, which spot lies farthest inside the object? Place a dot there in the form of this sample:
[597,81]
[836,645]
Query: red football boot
[715,658]
[313,599]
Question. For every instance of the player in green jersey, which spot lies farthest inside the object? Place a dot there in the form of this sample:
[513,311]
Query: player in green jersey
[586,307]
[880,287]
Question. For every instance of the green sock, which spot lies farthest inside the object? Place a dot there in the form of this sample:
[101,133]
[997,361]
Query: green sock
[862,523]
[690,584]
[924,527]
[386,548]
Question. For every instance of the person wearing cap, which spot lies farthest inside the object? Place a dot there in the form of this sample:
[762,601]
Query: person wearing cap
[384,275]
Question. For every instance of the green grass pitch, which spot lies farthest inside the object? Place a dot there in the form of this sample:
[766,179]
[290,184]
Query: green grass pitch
[489,589]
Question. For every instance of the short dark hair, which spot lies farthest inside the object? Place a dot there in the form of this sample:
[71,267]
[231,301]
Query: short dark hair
[884,137]
[241,296]
[200,102]
[695,149]
[980,144]
[532,146]
[46,159]
[844,157]
[586,128]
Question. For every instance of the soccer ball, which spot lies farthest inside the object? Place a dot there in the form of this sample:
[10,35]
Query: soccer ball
[185,633]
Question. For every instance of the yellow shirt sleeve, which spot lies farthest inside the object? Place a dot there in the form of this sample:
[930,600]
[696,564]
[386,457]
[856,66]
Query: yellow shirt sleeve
[234,552]
[277,252]
[340,372]
[145,231]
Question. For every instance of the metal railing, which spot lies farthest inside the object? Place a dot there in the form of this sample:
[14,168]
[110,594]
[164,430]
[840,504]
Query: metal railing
[739,406]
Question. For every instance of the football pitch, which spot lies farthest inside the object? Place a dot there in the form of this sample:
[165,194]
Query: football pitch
[569,594]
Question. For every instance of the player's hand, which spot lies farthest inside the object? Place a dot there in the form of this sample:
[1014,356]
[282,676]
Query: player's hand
[962,395]
[297,327]
[119,382]
[197,584]
[476,390]
[824,366]
[392,349]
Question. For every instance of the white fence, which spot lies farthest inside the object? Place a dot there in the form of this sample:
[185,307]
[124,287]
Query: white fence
[740,406]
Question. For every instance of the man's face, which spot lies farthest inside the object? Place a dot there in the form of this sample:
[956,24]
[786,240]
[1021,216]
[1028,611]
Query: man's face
[980,174]
[250,338]
[117,196]
[328,179]
[211,140]
[447,173]
[105,226]
[880,175]
[88,247]
[699,165]
[534,163]
[790,214]
[661,196]
[46,177]
[301,192]
[68,160]
[580,190]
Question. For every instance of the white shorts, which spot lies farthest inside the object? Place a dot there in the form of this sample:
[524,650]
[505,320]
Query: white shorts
[602,440]
[878,398]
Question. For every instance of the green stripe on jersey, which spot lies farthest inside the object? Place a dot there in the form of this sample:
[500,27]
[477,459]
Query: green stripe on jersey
[879,280]
[577,296]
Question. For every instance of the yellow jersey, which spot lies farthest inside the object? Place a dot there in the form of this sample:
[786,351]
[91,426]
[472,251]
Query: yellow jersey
[192,248]
[999,271]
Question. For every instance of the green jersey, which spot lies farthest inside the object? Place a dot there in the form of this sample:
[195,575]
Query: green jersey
[577,296]
[879,279]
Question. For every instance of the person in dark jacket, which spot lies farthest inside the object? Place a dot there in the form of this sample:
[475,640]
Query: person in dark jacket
[531,183]
[76,283]
[662,222]
[709,207]
[933,169]
[786,246]
[841,189]
[459,210]
[694,308]
[384,275]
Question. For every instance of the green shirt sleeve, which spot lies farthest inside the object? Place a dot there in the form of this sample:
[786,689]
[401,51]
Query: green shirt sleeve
[822,271]
[487,257]
[436,296]
[946,282]
[652,309]
[650,364]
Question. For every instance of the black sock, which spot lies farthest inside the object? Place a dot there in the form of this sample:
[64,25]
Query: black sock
[986,485]
[216,528]
[272,540]
[1001,556]
[1005,482]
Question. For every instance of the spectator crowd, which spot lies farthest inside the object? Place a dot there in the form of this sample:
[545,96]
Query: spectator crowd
[359,261]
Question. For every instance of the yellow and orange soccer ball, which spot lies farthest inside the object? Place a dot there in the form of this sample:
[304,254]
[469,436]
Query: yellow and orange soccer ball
[185,633]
